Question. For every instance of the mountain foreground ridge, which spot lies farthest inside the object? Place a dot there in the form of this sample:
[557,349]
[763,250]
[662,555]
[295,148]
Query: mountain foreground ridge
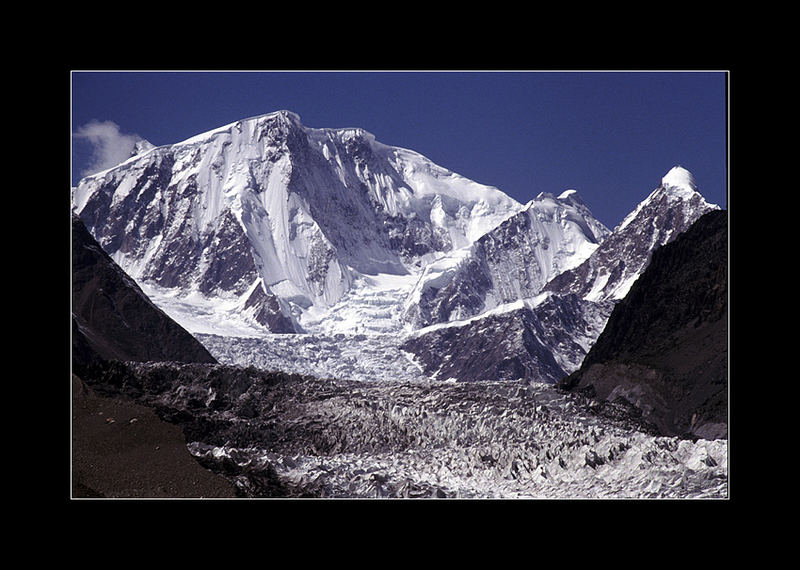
[112,319]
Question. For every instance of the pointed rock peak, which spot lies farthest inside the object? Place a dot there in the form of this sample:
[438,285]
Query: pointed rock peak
[141,146]
[680,178]
[289,116]
[283,120]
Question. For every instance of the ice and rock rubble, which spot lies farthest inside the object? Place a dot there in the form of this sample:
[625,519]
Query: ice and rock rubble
[277,435]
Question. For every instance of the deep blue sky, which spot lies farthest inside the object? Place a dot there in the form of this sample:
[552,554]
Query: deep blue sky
[609,135]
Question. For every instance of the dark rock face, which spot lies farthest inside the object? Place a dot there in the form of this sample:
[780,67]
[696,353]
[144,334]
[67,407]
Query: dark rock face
[412,237]
[541,343]
[112,319]
[664,348]
[267,311]
[499,347]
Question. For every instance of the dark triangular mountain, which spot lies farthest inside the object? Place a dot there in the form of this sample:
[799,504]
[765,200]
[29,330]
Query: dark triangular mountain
[664,348]
[112,319]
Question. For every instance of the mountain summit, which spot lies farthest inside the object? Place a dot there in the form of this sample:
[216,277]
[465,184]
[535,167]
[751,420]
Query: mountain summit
[615,265]
[679,178]
[275,222]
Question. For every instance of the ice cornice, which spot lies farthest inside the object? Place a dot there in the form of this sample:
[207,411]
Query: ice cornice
[679,184]
[567,196]
[680,179]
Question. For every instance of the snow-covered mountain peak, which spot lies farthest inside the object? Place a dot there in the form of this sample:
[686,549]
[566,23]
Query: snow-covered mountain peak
[677,186]
[542,198]
[571,197]
[679,178]
[568,208]
[252,128]
[286,115]
[304,213]
[282,116]
[666,212]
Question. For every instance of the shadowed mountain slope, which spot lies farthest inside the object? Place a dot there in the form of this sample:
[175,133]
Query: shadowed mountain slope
[664,348]
[112,319]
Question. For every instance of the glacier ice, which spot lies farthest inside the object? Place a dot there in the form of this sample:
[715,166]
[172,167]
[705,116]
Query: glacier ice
[344,438]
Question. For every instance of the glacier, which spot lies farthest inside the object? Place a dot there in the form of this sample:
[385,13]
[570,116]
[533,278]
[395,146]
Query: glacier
[279,435]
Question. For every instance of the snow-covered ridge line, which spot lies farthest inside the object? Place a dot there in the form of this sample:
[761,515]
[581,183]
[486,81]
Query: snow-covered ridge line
[529,303]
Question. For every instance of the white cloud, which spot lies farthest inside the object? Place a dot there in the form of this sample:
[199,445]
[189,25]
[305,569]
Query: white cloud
[110,146]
